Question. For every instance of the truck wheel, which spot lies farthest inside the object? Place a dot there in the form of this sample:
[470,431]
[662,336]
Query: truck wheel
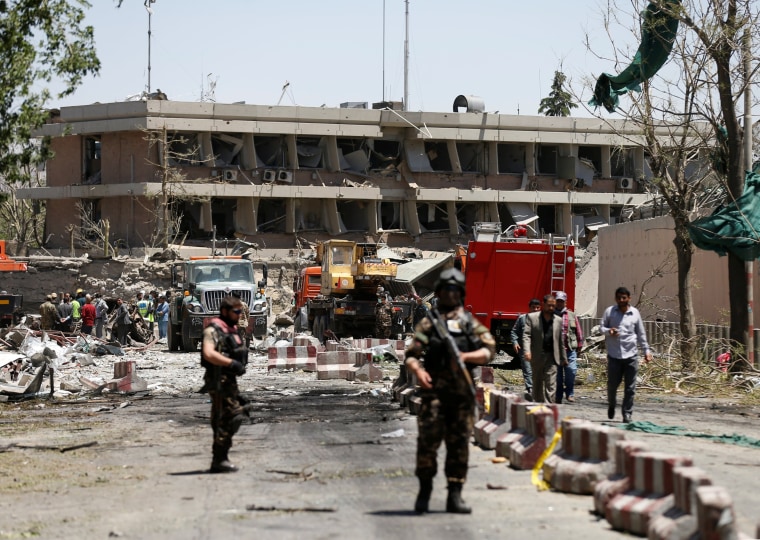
[172,337]
[188,344]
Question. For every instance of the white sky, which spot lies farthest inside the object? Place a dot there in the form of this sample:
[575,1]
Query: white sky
[331,51]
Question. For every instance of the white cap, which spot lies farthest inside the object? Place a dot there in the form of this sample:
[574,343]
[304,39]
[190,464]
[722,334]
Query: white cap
[561,296]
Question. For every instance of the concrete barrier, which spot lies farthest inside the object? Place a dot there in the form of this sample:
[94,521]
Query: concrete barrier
[488,429]
[532,429]
[651,493]
[680,521]
[291,357]
[125,379]
[619,481]
[715,513]
[307,341]
[586,457]
[340,364]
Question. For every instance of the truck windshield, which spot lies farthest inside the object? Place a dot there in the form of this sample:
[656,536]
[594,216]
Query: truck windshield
[223,272]
[341,254]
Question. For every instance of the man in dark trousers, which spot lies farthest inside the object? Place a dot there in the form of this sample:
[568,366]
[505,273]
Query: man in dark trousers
[544,349]
[517,341]
[623,330]
[448,404]
[224,355]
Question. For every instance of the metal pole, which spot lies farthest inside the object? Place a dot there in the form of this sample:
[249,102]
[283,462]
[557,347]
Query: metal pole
[383,50]
[406,60]
[147,4]
[749,265]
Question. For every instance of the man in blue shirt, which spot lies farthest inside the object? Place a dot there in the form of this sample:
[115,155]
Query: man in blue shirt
[623,331]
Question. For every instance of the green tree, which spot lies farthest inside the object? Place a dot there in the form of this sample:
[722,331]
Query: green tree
[41,41]
[560,101]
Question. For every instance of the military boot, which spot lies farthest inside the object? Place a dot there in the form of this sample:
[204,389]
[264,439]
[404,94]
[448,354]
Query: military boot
[423,497]
[220,463]
[454,502]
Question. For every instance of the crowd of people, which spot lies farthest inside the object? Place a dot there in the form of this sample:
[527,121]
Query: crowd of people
[89,314]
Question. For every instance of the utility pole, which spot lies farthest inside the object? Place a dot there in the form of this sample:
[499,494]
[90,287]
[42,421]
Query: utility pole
[150,14]
[406,60]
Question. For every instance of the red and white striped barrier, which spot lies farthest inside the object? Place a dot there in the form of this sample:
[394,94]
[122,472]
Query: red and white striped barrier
[651,492]
[619,481]
[307,341]
[125,379]
[290,357]
[340,364]
[488,429]
[680,521]
[587,456]
[532,429]
[715,513]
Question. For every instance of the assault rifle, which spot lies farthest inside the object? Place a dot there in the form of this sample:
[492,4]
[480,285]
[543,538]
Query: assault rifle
[451,347]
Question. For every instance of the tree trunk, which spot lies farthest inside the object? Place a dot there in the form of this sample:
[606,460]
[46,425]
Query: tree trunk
[688,325]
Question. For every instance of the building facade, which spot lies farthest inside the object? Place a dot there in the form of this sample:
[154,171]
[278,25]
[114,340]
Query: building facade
[279,172]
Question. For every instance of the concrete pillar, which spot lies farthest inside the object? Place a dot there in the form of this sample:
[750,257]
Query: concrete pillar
[493,157]
[412,223]
[530,159]
[604,212]
[372,216]
[606,165]
[248,152]
[290,216]
[206,223]
[246,217]
[451,210]
[638,163]
[493,212]
[331,217]
[331,155]
[206,149]
[451,146]
[290,140]
[566,219]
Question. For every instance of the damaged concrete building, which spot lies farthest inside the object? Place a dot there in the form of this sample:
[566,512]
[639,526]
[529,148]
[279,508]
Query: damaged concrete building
[279,172]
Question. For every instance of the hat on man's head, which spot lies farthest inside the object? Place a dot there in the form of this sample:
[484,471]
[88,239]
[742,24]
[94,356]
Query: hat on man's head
[561,295]
[53,296]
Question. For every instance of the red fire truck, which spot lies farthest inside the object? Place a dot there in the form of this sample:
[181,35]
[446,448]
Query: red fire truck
[504,272]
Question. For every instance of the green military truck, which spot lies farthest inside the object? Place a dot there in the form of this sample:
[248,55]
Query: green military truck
[201,283]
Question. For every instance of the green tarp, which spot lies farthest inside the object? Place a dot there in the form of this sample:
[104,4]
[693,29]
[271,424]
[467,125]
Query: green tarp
[734,438]
[658,32]
[734,227]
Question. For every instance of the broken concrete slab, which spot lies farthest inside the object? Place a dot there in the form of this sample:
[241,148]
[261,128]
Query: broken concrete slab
[368,373]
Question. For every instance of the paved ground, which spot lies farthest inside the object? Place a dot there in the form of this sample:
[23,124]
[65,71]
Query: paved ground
[314,464]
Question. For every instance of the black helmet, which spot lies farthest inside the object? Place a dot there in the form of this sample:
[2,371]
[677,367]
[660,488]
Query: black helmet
[450,276]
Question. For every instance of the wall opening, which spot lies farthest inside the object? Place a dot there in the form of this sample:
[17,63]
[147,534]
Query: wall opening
[621,162]
[384,154]
[91,165]
[309,215]
[271,216]
[472,157]
[547,218]
[183,149]
[310,152]
[226,149]
[353,155]
[438,155]
[546,158]
[433,217]
[594,155]
[511,158]
[353,214]
[272,150]
[390,215]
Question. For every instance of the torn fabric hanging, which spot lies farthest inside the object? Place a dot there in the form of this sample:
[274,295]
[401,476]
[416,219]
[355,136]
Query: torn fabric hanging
[734,227]
[658,33]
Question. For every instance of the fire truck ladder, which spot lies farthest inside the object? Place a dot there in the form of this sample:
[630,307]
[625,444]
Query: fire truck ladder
[559,264]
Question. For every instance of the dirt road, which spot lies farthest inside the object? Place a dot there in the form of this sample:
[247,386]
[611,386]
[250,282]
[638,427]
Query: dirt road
[315,464]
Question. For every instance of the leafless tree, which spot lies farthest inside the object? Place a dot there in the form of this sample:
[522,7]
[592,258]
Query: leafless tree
[679,111]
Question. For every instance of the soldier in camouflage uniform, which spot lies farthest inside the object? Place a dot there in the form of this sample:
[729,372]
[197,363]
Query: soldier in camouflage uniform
[383,318]
[224,355]
[48,314]
[448,407]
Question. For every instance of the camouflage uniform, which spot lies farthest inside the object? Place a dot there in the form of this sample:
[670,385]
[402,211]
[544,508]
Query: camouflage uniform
[383,319]
[447,410]
[48,315]
[227,408]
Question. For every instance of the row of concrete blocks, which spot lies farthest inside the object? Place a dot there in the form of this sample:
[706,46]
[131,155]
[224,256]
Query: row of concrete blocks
[337,360]
[646,493]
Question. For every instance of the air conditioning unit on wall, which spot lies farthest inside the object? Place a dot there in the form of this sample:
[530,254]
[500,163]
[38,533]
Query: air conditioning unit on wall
[270,175]
[625,183]
[230,175]
[285,176]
